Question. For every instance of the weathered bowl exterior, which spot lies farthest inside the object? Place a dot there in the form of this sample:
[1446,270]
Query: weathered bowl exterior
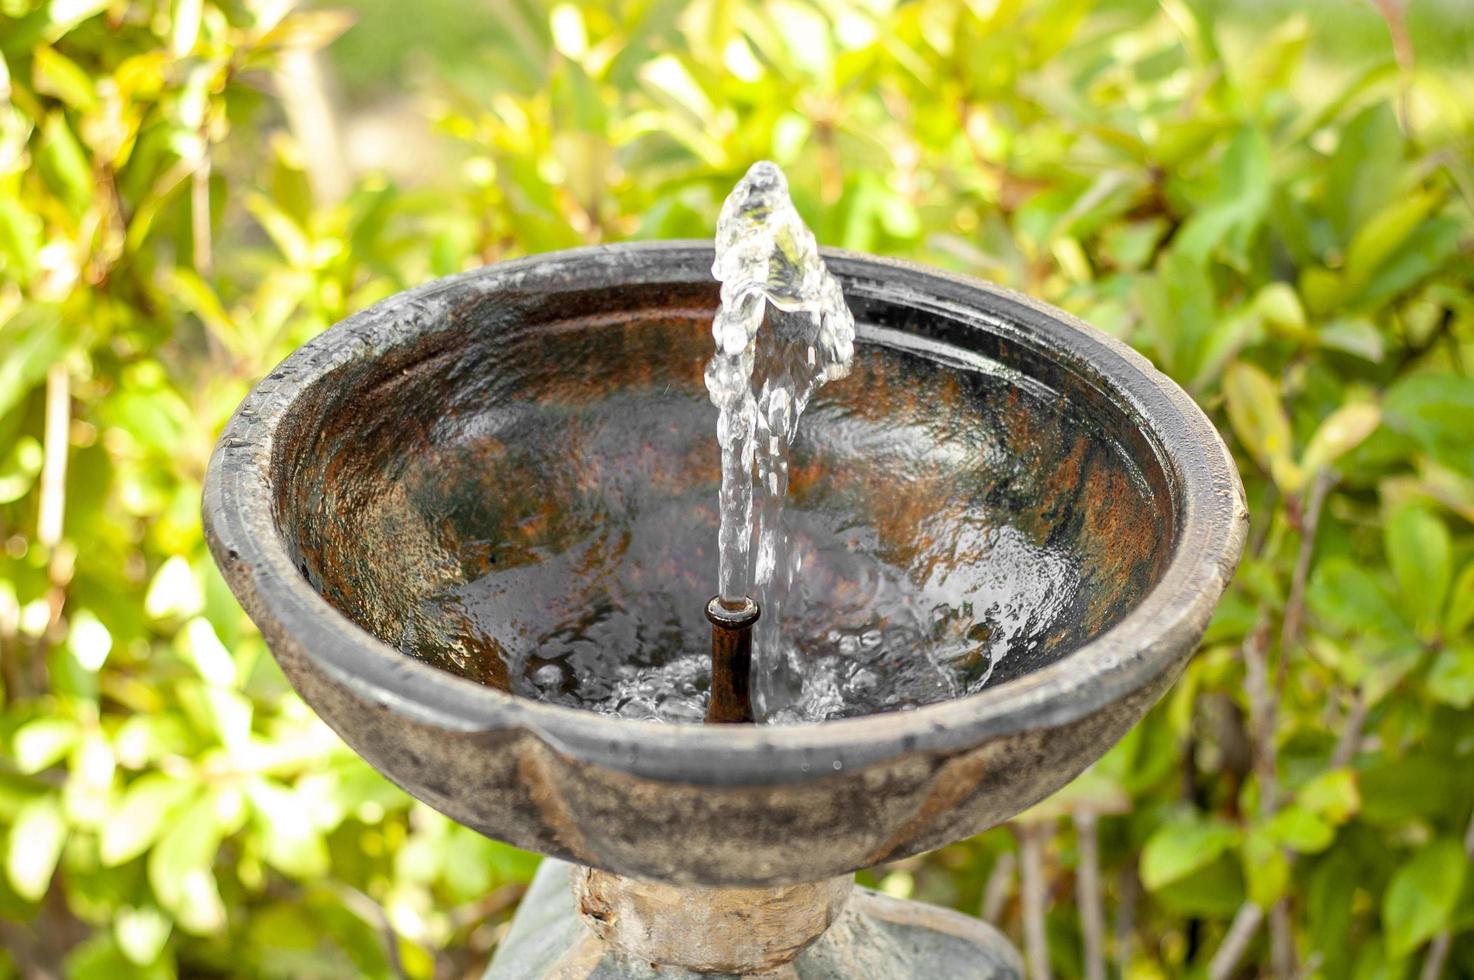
[728,805]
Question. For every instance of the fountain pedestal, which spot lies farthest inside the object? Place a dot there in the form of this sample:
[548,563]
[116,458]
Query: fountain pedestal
[558,934]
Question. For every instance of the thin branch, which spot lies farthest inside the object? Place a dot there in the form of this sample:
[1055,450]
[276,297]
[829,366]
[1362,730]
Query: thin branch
[1246,922]
[999,887]
[1437,957]
[1262,728]
[1394,12]
[1036,948]
[199,215]
[1295,607]
[1438,948]
[1281,940]
[1310,967]
[1129,891]
[478,911]
[1261,715]
[363,906]
[54,466]
[1349,741]
[313,124]
[1240,934]
[1087,887]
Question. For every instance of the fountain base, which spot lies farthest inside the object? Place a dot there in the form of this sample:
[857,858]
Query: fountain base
[575,923]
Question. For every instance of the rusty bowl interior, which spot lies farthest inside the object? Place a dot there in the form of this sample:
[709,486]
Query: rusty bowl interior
[516,467]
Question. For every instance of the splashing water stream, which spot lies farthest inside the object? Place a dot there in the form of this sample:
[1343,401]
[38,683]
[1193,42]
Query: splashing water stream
[914,483]
[761,381]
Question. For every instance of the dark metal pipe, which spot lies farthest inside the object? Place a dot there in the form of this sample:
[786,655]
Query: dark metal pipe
[731,660]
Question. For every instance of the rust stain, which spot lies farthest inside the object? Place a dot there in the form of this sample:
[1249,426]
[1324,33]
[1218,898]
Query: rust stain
[535,769]
[954,781]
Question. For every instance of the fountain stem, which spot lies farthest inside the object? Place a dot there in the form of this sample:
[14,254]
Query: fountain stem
[731,659]
[730,931]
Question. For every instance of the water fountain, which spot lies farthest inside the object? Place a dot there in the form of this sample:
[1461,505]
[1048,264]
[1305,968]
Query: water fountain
[477,525]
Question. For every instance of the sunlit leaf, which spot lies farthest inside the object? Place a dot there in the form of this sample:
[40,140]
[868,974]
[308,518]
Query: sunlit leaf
[29,342]
[1300,829]
[1178,849]
[145,809]
[1333,794]
[181,868]
[1341,431]
[1259,419]
[141,933]
[40,743]
[1451,678]
[34,846]
[174,590]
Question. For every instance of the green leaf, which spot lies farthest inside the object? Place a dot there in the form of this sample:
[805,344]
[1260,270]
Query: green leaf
[1383,235]
[146,807]
[1356,336]
[1333,794]
[1215,890]
[30,341]
[288,236]
[290,841]
[40,743]
[141,933]
[1239,204]
[63,164]
[1178,305]
[1418,549]
[18,471]
[34,846]
[1130,245]
[1422,254]
[1178,848]
[181,869]
[55,74]
[88,640]
[101,958]
[174,591]
[1260,422]
[1421,896]
[1436,410]
[1461,603]
[1266,869]
[203,649]
[1343,594]
[1279,305]
[1329,890]
[1451,679]
[20,241]
[1395,790]
[1301,830]
[1341,431]
[1363,173]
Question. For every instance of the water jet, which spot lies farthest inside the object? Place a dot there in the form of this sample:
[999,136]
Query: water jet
[470,516]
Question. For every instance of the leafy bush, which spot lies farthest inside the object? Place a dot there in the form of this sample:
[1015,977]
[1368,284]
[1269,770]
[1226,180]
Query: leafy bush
[1289,235]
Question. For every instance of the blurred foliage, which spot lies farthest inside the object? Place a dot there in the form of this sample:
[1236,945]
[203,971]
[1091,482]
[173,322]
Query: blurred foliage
[1289,236]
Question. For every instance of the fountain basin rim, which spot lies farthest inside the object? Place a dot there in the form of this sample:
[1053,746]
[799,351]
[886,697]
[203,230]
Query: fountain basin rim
[1152,639]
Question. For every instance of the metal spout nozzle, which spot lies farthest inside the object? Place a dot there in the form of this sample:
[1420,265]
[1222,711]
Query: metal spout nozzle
[731,660]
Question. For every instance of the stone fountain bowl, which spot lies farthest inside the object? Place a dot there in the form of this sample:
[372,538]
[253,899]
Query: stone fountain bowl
[544,417]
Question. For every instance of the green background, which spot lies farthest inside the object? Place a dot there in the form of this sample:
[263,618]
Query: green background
[1273,201]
